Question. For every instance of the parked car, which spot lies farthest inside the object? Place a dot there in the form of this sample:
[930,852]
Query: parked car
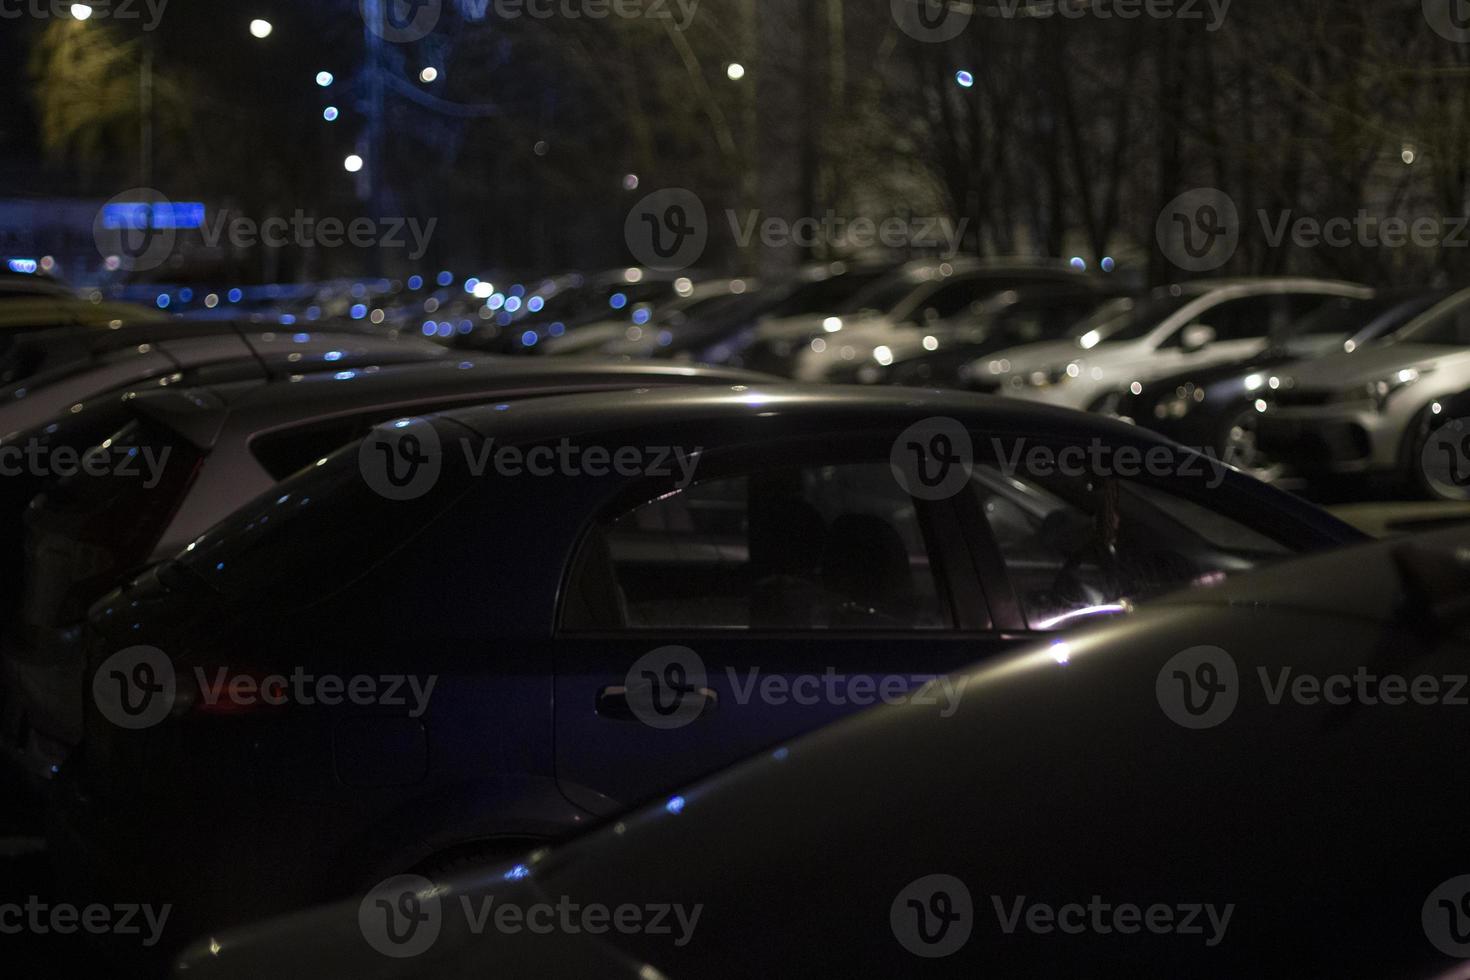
[938,356]
[1219,406]
[916,296]
[764,526]
[202,453]
[1371,412]
[992,842]
[641,326]
[229,354]
[1190,325]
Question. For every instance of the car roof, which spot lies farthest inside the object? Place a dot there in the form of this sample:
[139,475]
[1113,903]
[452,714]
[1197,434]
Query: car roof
[300,397]
[797,404]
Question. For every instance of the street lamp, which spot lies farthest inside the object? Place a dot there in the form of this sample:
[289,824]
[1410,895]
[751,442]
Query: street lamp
[261,29]
[81,11]
[735,72]
[428,75]
[352,164]
[324,78]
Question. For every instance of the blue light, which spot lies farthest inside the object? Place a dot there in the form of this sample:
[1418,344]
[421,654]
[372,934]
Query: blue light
[535,303]
[235,296]
[429,327]
[301,338]
[332,355]
[665,338]
[529,338]
[186,295]
[557,329]
[345,375]
[503,318]
[1079,264]
[618,301]
[330,113]
[517,873]
[313,312]
[1108,265]
[26,267]
[964,78]
[288,319]
[675,805]
[163,301]
[780,754]
[446,278]
[324,78]
[445,329]
[512,304]
[358,311]
[641,316]
[415,282]
[518,290]
[495,302]
[470,284]
[465,326]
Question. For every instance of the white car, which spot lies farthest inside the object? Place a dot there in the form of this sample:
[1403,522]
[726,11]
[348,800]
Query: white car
[811,348]
[1178,327]
[1372,410]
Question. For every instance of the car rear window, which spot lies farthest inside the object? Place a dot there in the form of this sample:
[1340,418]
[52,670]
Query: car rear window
[85,530]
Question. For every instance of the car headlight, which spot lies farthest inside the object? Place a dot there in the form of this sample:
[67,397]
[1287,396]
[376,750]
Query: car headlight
[1379,391]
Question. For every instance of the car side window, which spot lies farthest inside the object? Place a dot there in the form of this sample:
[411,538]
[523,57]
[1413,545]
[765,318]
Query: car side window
[836,547]
[1239,319]
[1075,548]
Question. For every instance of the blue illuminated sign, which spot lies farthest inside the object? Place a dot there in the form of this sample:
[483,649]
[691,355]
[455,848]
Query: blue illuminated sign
[164,214]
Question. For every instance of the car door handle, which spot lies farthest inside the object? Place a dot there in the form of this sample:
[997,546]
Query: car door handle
[612,703]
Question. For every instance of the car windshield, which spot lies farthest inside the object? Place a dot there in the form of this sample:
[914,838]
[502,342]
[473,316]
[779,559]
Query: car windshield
[1448,327]
[1127,319]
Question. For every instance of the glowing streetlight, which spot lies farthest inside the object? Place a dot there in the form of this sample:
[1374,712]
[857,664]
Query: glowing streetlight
[261,29]
[352,164]
[735,72]
[324,78]
[330,113]
[428,74]
[81,11]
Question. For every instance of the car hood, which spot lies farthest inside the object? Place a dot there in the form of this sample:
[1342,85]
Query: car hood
[1346,370]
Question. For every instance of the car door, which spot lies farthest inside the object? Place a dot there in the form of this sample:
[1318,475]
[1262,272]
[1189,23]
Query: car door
[703,625]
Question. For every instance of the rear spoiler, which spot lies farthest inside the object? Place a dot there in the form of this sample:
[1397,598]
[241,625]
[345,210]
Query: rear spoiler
[196,414]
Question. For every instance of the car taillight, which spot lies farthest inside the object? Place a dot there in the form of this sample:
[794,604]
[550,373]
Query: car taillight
[221,691]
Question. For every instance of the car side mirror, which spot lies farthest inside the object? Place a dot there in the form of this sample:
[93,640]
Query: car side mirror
[1197,337]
